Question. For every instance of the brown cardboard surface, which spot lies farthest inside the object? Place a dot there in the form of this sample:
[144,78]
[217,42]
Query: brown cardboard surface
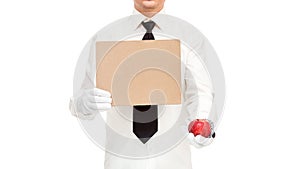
[140,72]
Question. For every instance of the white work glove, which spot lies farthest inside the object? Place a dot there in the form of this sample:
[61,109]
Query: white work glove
[88,102]
[199,141]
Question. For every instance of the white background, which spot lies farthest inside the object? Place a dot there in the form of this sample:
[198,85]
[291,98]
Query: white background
[258,43]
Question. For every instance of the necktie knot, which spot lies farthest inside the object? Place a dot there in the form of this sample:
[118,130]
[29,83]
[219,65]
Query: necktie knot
[148,26]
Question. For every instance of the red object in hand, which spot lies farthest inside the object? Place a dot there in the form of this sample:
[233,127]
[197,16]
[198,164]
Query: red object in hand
[200,127]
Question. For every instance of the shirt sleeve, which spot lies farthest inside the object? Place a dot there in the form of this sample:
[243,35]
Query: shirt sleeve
[84,78]
[198,95]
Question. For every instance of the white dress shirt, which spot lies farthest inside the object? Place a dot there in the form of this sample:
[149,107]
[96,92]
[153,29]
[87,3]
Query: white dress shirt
[197,99]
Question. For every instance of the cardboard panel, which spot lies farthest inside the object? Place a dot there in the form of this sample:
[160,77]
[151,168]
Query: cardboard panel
[140,72]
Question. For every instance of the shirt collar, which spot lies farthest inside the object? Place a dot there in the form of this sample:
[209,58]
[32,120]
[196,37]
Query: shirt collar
[137,18]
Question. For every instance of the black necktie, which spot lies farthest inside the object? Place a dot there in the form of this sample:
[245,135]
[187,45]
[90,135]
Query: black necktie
[145,116]
[149,27]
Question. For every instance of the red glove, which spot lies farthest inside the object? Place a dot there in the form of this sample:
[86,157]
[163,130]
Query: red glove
[201,127]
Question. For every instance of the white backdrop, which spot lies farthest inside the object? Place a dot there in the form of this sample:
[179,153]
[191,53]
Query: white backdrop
[258,43]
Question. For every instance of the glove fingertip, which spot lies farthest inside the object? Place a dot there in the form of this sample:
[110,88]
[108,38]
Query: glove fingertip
[191,136]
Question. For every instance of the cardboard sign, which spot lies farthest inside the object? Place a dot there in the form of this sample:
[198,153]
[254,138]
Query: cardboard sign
[140,72]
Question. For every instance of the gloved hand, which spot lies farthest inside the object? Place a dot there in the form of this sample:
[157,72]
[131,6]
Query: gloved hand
[201,132]
[88,102]
[199,141]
